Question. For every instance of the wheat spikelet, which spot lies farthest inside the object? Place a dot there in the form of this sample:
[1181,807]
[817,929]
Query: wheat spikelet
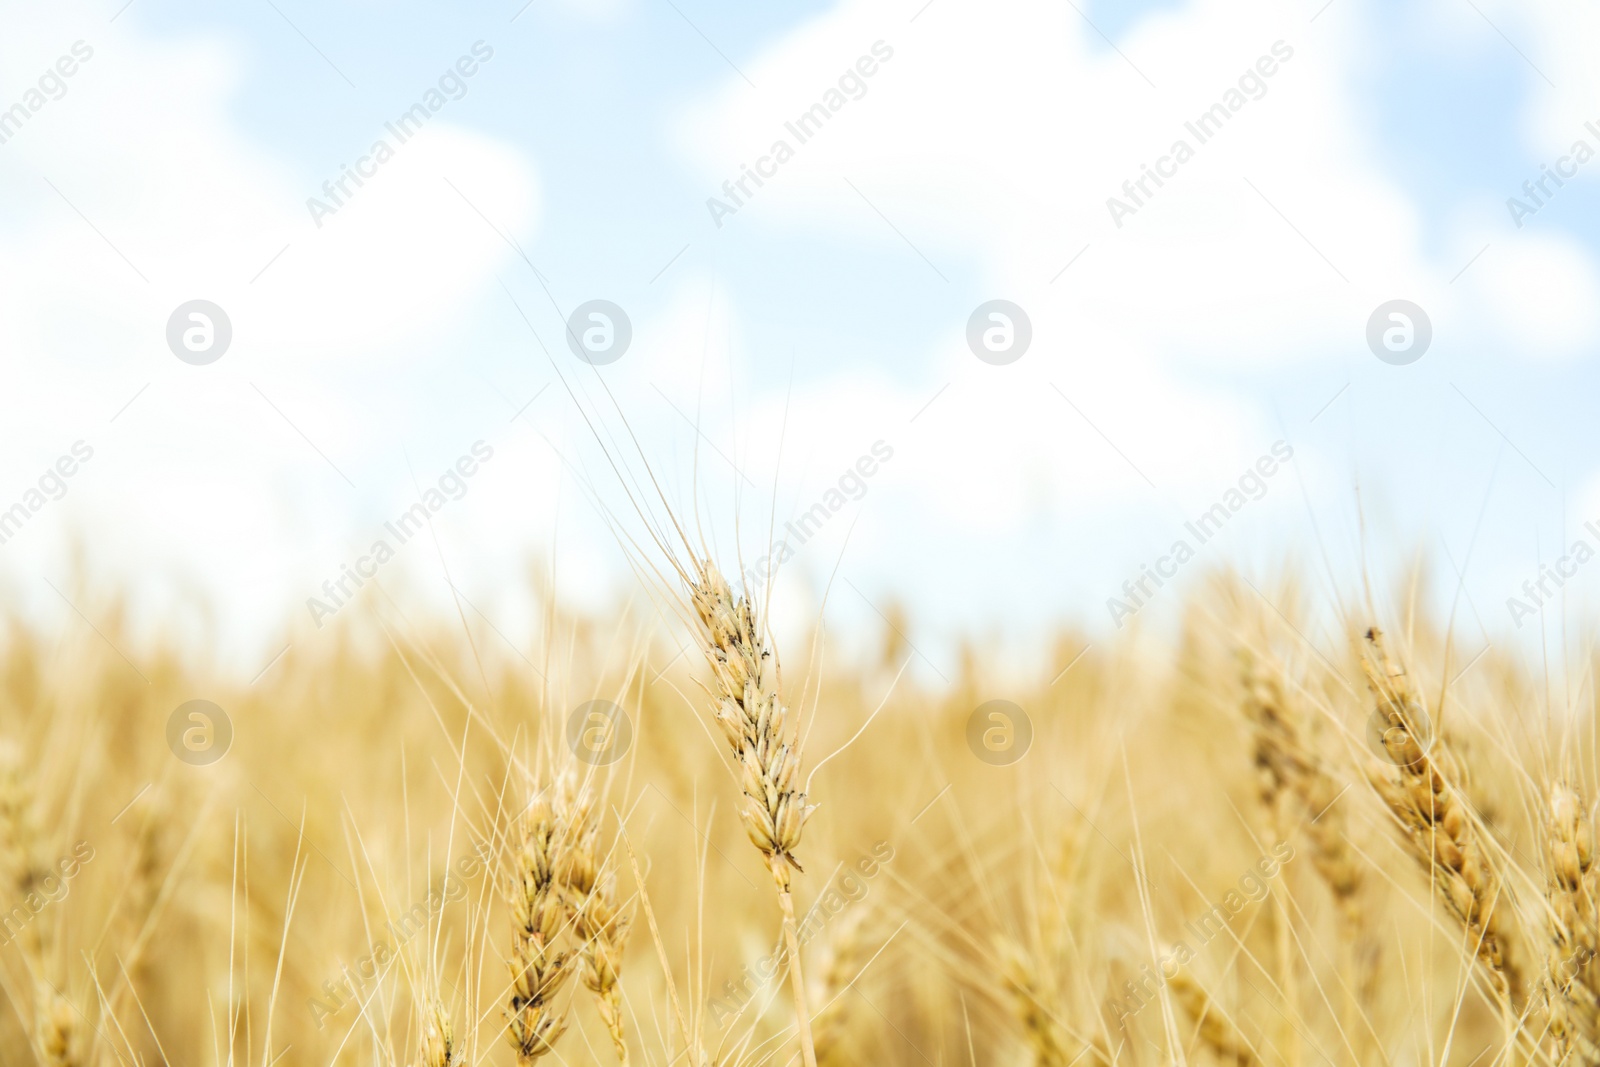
[591,900]
[763,738]
[538,968]
[1572,970]
[1219,1035]
[1437,824]
[439,1047]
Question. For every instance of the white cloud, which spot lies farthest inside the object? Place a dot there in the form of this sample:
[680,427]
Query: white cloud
[1542,291]
[996,134]
[200,474]
[992,140]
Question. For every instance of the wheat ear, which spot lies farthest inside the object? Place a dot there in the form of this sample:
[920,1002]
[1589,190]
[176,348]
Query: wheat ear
[55,1024]
[1028,992]
[1219,1035]
[1294,784]
[20,866]
[1572,971]
[830,1023]
[1287,766]
[1438,827]
[538,968]
[763,737]
[591,900]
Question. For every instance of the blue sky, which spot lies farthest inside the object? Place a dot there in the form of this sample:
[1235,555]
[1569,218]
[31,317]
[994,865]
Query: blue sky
[825,316]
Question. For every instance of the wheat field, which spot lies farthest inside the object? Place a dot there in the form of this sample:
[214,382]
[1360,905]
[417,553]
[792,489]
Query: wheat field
[1267,839]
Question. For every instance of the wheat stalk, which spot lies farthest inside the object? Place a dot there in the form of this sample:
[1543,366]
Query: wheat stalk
[1572,971]
[763,737]
[1438,827]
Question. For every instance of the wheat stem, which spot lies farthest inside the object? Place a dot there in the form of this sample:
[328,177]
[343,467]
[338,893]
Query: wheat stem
[802,1011]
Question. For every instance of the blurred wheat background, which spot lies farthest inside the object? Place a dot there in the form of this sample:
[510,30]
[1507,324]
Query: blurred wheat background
[1369,849]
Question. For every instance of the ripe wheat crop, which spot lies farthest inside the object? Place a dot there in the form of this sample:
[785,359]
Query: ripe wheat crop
[1278,841]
